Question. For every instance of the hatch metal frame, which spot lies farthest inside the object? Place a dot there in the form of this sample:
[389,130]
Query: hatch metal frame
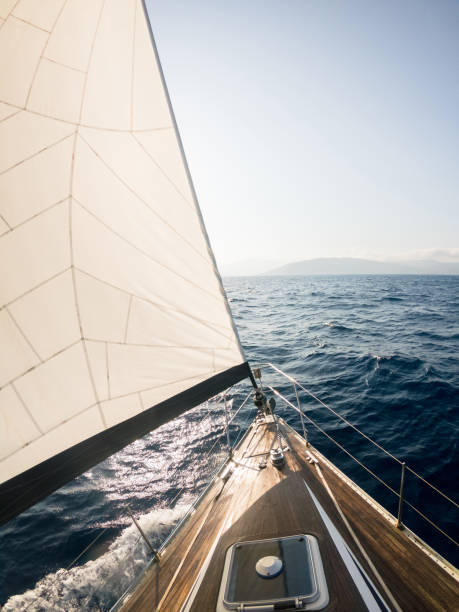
[317,599]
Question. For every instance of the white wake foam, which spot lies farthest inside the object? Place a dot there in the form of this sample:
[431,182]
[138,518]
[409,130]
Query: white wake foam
[97,584]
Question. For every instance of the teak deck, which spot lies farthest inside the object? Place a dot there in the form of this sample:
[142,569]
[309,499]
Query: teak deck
[256,503]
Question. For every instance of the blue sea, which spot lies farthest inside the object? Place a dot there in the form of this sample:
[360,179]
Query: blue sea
[382,351]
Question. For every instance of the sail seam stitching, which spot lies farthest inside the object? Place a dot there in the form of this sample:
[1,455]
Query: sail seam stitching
[47,431]
[10,13]
[144,202]
[31,346]
[38,214]
[107,343]
[77,414]
[37,152]
[15,112]
[77,123]
[162,307]
[160,346]
[163,172]
[72,179]
[35,287]
[127,319]
[37,67]
[161,386]
[144,253]
[6,223]
[42,362]
[53,61]
[64,4]
[58,16]
[83,93]
[93,382]
[74,233]
[33,25]
[31,416]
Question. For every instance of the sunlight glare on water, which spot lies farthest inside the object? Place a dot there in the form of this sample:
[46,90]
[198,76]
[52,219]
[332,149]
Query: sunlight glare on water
[157,477]
[382,351]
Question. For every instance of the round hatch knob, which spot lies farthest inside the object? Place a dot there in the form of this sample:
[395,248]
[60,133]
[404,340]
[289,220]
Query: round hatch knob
[269,567]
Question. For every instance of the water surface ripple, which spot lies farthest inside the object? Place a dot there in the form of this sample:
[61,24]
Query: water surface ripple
[381,350]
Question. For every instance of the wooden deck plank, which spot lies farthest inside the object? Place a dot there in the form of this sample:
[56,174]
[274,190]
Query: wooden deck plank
[416,581]
[257,504]
[150,591]
[280,506]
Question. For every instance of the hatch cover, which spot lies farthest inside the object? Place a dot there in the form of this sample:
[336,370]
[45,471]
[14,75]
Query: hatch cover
[262,573]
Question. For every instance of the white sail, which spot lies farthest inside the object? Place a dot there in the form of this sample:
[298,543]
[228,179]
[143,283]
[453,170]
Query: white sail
[110,299]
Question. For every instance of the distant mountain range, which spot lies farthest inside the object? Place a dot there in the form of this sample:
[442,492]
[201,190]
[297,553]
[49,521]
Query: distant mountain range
[250,267]
[351,265]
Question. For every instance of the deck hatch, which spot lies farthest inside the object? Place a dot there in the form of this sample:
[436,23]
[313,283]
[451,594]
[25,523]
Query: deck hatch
[300,581]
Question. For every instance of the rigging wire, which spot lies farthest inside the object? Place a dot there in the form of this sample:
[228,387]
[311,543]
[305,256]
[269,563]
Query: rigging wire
[334,441]
[101,533]
[294,381]
[335,413]
[367,469]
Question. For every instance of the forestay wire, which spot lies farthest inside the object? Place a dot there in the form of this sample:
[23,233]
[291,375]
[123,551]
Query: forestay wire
[303,414]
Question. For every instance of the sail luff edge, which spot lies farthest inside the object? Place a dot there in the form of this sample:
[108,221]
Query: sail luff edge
[190,180]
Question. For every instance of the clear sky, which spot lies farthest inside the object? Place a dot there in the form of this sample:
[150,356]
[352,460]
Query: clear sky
[318,128]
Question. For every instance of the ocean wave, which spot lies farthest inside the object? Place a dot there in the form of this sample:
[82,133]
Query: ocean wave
[395,375]
[437,336]
[398,365]
[337,326]
[97,584]
[418,315]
